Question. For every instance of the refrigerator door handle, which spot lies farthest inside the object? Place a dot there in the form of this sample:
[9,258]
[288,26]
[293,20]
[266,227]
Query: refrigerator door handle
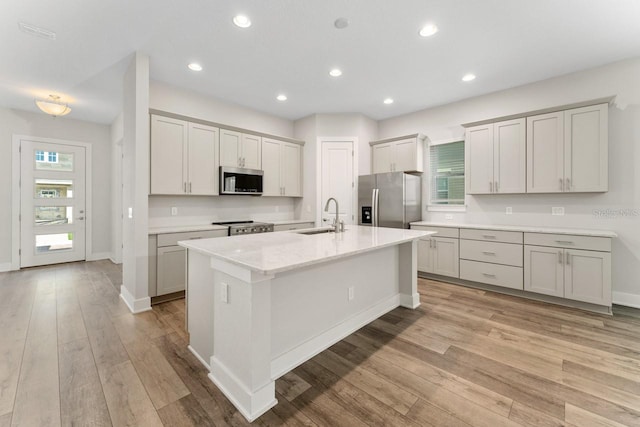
[374,202]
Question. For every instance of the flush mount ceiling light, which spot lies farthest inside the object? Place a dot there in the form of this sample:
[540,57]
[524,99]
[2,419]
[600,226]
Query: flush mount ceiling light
[53,106]
[195,66]
[335,72]
[428,30]
[281,97]
[388,101]
[341,23]
[468,77]
[242,21]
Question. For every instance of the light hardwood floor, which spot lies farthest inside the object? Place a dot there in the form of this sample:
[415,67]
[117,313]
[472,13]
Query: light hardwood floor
[72,354]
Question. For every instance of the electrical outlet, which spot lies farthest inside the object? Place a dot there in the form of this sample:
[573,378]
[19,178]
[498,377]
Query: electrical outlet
[351,293]
[508,210]
[448,216]
[557,211]
[174,211]
[224,293]
[130,213]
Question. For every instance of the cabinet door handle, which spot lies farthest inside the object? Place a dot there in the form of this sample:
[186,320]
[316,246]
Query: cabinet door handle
[189,187]
[564,242]
[185,187]
[568,261]
[561,187]
[496,186]
[490,186]
[488,236]
[284,190]
[568,184]
[559,257]
[488,253]
[488,274]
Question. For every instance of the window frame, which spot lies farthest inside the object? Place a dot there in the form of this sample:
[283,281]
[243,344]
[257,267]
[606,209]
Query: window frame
[438,207]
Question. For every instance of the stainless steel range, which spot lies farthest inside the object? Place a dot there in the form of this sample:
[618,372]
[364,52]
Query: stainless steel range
[237,228]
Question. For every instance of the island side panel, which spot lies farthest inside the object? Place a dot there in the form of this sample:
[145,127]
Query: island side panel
[408,275]
[312,308]
[200,305]
[241,361]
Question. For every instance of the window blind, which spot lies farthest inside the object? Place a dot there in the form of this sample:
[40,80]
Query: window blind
[446,168]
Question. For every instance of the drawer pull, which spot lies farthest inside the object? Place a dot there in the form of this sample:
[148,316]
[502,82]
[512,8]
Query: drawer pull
[488,253]
[564,242]
[488,236]
[194,238]
[488,275]
[559,257]
[568,259]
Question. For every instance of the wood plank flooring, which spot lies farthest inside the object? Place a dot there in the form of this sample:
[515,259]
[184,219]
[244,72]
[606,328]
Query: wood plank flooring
[72,354]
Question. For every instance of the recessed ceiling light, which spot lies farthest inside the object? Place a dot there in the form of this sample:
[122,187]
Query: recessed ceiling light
[281,97]
[195,66]
[468,77]
[242,21]
[428,30]
[335,72]
[388,101]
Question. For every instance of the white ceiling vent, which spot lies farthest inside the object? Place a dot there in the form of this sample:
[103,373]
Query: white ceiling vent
[43,33]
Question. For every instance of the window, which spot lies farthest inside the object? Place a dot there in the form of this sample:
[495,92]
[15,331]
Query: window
[446,166]
[52,157]
[39,156]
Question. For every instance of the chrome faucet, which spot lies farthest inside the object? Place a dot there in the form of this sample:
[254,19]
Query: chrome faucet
[337,224]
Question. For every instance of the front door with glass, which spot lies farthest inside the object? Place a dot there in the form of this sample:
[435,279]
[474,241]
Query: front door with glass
[52,207]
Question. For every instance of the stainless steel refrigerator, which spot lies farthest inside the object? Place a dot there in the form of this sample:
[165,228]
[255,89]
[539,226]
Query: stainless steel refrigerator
[391,199]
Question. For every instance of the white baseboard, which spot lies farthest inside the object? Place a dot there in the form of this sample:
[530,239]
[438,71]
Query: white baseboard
[98,256]
[135,305]
[628,300]
[113,260]
[206,365]
[5,266]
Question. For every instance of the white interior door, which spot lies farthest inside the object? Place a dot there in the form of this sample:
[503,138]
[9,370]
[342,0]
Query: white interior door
[52,208]
[337,180]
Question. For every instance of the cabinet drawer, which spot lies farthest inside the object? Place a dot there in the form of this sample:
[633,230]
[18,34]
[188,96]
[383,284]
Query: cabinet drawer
[493,252]
[569,241]
[442,231]
[172,239]
[294,226]
[492,274]
[491,235]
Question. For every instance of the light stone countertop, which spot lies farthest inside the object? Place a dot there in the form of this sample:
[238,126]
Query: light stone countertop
[521,228]
[271,253]
[209,227]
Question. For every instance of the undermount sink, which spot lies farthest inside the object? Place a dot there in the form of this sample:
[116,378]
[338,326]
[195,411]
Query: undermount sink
[316,231]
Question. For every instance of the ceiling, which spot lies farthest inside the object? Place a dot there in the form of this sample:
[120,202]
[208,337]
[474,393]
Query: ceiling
[293,44]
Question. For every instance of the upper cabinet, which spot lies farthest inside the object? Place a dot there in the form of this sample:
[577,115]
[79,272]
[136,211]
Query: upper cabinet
[282,165]
[240,150]
[183,157]
[496,157]
[403,154]
[567,151]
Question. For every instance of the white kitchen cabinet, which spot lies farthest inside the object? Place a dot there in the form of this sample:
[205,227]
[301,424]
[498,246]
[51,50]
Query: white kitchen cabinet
[496,157]
[167,260]
[569,266]
[402,154]
[183,157]
[438,255]
[282,165]
[240,150]
[567,151]
[293,226]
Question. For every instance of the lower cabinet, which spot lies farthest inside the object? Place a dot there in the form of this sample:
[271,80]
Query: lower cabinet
[438,255]
[575,274]
[167,260]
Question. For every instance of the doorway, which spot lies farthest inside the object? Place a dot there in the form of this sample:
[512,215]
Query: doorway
[52,204]
[338,172]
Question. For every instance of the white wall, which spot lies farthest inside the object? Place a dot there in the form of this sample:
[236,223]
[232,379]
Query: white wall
[41,125]
[621,79]
[135,179]
[117,137]
[316,126]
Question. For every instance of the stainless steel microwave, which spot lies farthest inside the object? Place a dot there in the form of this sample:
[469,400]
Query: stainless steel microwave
[240,181]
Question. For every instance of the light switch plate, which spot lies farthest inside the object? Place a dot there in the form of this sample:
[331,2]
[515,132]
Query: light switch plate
[448,216]
[130,213]
[508,210]
[224,292]
[557,211]
[174,211]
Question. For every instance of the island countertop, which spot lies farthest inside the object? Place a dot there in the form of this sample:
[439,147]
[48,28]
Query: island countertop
[271,253]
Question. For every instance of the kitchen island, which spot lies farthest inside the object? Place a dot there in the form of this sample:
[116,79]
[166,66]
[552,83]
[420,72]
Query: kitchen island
[259,305]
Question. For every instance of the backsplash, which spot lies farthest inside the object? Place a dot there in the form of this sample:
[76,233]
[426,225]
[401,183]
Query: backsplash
[193,210]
